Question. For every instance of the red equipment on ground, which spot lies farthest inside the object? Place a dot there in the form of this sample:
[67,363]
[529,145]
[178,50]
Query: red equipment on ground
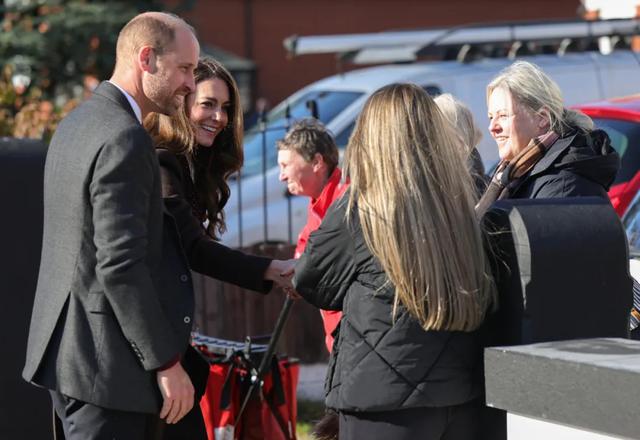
[270,412]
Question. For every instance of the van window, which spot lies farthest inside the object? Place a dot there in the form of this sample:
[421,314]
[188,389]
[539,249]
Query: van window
[343,138]
[433,91]
[328,103]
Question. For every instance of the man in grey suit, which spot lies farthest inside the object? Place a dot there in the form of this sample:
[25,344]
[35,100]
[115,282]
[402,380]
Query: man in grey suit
[113,306]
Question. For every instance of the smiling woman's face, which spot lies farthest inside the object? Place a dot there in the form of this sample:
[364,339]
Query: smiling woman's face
[209,108]
[511,125]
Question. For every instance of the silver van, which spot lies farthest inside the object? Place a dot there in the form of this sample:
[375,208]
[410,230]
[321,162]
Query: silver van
[260,210]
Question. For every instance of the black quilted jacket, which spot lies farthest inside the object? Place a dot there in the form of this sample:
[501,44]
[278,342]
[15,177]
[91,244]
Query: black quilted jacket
[378,363]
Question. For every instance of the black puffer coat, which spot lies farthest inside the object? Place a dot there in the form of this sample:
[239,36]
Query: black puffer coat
[378,363]
[577,165]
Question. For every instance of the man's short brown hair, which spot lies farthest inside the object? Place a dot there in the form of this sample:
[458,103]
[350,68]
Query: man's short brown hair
[155,29]
[307,137]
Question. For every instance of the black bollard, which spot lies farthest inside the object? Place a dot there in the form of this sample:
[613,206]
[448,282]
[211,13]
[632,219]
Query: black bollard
[562,270]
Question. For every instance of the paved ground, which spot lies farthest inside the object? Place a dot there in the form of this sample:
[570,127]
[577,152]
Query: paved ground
[311,381]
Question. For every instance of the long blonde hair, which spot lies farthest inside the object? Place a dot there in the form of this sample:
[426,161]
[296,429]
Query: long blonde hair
[415,200]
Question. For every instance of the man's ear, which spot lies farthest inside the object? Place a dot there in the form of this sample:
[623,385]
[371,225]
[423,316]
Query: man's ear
[318,163]
[147,59]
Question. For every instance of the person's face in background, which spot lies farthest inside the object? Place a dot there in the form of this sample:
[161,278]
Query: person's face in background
[302,178]
[169,77]
[209,108]
[511,125]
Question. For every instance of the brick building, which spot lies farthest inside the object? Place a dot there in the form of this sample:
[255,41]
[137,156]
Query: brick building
[255,29]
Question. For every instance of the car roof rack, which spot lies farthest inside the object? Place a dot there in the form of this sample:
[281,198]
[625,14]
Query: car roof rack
[464,42]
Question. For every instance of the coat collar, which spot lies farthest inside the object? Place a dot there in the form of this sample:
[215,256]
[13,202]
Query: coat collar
[132,102]
[333,189]
[556,149]
[111,92]
[547,160]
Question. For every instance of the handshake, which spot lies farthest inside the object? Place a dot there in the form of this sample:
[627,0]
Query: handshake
[281,272]
[174,383]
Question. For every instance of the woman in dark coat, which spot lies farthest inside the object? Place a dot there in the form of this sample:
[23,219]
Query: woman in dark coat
[198,149]
[401,256]
[546,150]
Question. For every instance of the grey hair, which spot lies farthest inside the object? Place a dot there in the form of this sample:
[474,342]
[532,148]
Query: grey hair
[309,137]
[536,92]
[461,118]
[459,115]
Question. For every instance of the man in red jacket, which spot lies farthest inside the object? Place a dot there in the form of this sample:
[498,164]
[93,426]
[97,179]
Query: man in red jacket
[308,160]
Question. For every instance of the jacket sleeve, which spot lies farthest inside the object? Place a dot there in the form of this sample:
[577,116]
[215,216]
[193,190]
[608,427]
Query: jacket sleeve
[120,192]
[206,255]
[327,267]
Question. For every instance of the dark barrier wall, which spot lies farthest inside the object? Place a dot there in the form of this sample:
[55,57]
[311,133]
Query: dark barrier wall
[25,411]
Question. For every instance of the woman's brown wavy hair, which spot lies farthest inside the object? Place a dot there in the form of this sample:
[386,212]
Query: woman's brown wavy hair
[212,166]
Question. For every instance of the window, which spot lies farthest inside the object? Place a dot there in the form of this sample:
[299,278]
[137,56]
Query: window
[343,138]
[259,143]
[631,223]
[625,139]
[433,91]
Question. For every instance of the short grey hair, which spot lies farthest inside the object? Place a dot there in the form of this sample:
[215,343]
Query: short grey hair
[308,137]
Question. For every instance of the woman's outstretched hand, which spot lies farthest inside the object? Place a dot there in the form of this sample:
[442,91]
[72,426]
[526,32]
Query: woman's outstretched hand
[281,272]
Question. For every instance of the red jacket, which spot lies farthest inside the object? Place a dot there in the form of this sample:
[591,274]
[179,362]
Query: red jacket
[317,209]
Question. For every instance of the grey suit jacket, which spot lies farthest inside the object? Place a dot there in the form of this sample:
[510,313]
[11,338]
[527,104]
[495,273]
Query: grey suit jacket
[114,298]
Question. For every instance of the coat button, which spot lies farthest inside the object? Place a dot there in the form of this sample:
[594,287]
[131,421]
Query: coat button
[184,278]
[187,320]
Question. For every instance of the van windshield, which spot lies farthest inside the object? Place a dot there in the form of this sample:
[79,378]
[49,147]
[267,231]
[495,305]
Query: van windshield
[328,104]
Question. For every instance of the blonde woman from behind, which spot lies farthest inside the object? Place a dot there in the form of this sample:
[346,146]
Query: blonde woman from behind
[402,256]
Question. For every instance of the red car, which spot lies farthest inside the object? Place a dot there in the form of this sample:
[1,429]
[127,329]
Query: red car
[620,118]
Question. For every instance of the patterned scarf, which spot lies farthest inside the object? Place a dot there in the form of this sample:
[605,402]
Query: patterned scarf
[508,173]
